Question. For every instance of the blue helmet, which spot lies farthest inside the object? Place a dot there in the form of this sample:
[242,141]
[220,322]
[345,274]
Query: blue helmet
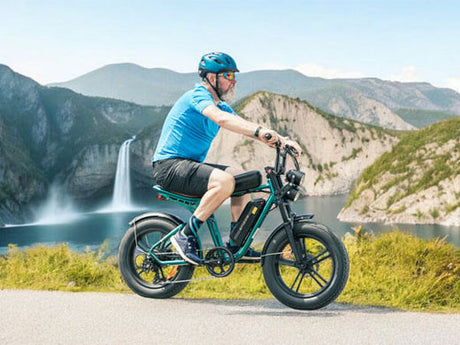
[215,63]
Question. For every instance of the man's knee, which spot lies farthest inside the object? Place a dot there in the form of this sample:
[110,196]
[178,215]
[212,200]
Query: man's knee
[222,180]
[234,171]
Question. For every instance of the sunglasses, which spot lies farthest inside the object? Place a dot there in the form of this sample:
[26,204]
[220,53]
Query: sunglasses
[228,75]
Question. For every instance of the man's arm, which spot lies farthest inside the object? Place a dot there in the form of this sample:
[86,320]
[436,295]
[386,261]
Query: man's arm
[241,126]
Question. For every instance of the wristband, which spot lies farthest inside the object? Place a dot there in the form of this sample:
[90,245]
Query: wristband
[256,133]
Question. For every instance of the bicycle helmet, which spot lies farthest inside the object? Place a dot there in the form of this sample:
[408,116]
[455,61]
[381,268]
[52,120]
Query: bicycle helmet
[215,63]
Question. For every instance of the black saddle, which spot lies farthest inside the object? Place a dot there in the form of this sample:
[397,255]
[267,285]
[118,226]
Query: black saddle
[247,180]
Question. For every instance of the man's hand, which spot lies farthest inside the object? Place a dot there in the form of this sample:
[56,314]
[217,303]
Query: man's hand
[275,137]
[294,145]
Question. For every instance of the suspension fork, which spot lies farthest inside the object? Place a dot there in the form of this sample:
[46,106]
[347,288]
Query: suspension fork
[286,214]
[288,221]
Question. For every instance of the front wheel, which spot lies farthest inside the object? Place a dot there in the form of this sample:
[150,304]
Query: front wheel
[316,278]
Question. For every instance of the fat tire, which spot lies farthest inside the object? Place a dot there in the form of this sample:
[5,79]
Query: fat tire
[127,265]
[337,280]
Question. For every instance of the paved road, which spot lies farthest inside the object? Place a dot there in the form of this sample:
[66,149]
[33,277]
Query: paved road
[42,317]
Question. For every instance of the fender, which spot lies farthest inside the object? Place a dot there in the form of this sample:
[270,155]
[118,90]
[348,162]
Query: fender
[148,215]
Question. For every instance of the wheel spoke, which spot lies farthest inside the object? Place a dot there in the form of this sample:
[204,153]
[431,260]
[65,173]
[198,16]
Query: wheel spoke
[142,245]
[286,262]
[300,281]
[295,280]
[317,259]
[159,273]
[315,274]
[140,270]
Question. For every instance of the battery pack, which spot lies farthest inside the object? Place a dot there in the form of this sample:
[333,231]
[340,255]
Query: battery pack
[247,220]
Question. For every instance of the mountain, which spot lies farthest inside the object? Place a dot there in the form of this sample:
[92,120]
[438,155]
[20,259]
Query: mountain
[50,134]
[133,83]
[417,182]
[336,150]
[370,100]
[53,135]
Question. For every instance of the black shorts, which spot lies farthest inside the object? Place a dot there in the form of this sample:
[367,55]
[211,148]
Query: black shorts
[184,176]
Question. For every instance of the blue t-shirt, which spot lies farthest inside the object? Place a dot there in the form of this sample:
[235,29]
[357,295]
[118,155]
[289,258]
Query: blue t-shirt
[187,133]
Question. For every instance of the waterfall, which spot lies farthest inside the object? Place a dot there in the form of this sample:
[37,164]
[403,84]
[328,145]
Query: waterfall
[56,209]
[122,190]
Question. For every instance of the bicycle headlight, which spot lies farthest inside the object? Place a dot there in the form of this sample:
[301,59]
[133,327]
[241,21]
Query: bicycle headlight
[295,177]
[293,193]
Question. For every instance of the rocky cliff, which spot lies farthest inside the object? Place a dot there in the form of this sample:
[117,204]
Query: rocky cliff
[417,182]
[54,135]
[336,150]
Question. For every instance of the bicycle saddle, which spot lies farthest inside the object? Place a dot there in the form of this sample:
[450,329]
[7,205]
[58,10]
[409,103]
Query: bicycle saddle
[247,180]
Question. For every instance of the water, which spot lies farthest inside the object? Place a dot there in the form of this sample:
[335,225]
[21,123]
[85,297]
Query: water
[91,229]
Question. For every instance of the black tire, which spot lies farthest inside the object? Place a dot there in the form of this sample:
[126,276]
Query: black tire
[143,274]
[321,278]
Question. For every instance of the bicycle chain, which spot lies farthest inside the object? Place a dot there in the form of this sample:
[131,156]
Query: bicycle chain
[213,277]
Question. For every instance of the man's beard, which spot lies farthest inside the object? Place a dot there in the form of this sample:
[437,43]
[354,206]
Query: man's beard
[229,95]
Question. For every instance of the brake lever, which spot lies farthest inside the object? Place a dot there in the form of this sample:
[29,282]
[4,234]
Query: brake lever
[293,153]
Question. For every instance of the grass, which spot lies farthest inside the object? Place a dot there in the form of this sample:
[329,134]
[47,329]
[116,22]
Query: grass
[59,268]
[402,271]
[394,270]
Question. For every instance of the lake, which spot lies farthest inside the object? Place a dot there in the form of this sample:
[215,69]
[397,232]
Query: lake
[82,230]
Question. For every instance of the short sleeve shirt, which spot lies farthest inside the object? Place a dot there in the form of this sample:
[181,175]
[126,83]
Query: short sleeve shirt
[186,132]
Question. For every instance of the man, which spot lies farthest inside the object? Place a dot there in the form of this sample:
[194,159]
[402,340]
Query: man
[186,137]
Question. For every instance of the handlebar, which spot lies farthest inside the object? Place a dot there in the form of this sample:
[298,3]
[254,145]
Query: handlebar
[268,136]
[280,167]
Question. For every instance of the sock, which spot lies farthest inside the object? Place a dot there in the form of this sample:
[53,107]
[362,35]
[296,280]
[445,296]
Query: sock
[232,225]
[192,226]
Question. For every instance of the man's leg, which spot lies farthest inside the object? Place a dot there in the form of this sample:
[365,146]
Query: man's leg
[237,202]
[221,185]
[237,206]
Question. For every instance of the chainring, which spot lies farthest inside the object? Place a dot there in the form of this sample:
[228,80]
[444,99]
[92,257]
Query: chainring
[219,262]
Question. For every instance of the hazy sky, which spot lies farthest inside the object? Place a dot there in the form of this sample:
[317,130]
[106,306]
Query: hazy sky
[406,40]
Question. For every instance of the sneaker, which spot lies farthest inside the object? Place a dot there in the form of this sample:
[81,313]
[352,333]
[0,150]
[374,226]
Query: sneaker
[186,247]
[251,256]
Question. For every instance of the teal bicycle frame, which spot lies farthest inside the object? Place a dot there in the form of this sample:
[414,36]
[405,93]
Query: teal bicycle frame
[191,204]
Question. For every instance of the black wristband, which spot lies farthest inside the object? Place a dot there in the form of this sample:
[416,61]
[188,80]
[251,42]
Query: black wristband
[256,133]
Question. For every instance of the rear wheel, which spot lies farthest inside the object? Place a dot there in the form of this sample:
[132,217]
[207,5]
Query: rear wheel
[316,278]
[140,271]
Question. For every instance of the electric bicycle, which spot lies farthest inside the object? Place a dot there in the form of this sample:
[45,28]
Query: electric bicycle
[305,265]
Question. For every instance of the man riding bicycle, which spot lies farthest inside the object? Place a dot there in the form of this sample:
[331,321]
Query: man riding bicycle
[189,129]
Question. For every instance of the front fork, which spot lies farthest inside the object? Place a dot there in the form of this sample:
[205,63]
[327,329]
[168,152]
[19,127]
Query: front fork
[288,216]
[290,219]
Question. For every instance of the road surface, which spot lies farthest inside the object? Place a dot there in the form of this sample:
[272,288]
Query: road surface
[45,317]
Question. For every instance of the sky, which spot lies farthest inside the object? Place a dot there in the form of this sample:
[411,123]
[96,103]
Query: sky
[405,40]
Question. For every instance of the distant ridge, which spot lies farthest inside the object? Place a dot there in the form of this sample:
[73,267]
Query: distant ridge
[368,100]
[133,83]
